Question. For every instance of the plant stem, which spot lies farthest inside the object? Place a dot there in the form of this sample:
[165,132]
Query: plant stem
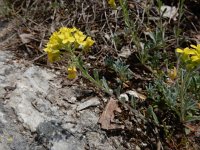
[183,90]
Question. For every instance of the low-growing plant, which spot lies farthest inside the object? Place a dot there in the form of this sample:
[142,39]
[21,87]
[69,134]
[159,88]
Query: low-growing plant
[178,93]
[66,44]
[157,40]
[121,69]
[143,46]
[130,24]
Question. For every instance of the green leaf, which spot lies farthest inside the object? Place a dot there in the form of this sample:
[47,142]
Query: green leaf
[192,118]
[151,113]
[96,75]
[105,85]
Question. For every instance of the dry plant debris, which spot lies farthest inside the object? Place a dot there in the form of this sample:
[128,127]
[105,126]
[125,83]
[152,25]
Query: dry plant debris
[107,117]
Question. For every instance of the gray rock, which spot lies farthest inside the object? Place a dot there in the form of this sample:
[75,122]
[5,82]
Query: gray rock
[88,118]
[51,130]
[19,143]
[38,78]
[98,141]
[58,138]
[4,146]
[6,70]
[124,97]
[71,100]
[42,106]
[69,144]
[20,101]
[2,92]
[31,87]
[5,57]
[70,126]
[2,118]
[89,103]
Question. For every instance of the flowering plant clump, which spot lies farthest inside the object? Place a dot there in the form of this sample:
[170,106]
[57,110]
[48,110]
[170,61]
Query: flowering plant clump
[67,40]
[190,56]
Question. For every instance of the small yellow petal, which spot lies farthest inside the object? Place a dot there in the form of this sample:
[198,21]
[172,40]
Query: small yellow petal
[47,49]
[87,43]
[178,50]
[193,46]
[61,36]
[188,51]
[195,58]
[73,29]
[72,72]
[197,48]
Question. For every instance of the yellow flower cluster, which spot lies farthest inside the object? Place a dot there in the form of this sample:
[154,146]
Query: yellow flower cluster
[67,40]
[190,56]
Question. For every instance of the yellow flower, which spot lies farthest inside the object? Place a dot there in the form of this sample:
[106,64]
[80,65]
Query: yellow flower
[53,55]
[80,37]
[112,3]
[172,73]
[54,43]
[66,37]
[178,50]
[87,43]
[72,72]
[74,29]
[67,30]
[63,30]
[54,37]
[52,48]
[196,56]
[190,56]
[184,54]
[186,51]
[196,47]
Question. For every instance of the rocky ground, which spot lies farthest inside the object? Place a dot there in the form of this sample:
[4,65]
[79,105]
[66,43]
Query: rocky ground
[38,112]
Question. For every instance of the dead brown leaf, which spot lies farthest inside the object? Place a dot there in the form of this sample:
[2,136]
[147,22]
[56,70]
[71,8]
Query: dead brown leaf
[107,117]
[26,38]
